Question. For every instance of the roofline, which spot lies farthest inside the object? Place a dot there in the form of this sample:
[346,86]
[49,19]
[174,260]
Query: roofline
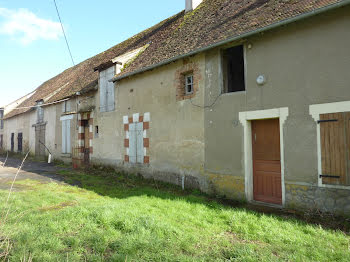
[235,38]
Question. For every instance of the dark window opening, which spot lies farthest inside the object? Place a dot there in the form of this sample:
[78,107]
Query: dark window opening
[1,141]
[233,69]
[20,142]
[12,142]
[96,131]
[1,118]
[189,84]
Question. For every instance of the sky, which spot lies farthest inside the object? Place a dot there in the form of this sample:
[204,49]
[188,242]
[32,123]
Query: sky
[32,47]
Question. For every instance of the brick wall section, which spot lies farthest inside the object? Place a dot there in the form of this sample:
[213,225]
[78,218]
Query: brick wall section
[81,134]
[187,68]
[136,118]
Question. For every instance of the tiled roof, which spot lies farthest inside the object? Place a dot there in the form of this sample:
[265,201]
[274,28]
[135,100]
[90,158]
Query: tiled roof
[212,22]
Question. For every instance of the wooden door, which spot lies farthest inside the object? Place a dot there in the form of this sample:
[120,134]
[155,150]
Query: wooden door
[267,161]
[12,142]
[20,142]
[40,140]
[86,142]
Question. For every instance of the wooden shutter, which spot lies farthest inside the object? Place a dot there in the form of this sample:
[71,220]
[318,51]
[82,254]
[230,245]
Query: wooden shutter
[110,89]
[103,91]
[68,141]
[64,136]
[139,143]
[132,143]
[334,149]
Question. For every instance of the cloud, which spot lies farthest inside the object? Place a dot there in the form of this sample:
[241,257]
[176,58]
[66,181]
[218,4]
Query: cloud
[26,27]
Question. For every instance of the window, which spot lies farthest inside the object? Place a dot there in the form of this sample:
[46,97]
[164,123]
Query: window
[1,142]
[20,142]
[66,140]
[189,84]
[107,90]
[40,112]
[66,106]
[233,70]
[334,131]
[96,131]
[1,118]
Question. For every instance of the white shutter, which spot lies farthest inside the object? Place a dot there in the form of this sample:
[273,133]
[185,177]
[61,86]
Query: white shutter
[64,139]
[139,142]
[68,142]
[64,107]
[68,106]
[110,88]
[103,91]
[132,143]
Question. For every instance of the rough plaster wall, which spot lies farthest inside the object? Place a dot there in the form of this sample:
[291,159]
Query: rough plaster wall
[17,124]
[176,128]
[50,131]
[305,63]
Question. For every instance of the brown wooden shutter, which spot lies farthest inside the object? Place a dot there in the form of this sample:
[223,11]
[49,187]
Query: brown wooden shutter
[334,148]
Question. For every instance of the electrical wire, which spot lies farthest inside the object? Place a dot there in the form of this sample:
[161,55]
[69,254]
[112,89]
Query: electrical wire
[207,106]
[64,33]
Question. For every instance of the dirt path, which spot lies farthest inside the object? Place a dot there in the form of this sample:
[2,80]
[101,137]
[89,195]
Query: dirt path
[39,171]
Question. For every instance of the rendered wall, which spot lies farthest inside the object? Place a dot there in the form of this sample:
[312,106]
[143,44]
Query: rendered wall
[304,63]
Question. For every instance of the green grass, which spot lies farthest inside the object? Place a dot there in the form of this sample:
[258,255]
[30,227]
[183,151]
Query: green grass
[115,217]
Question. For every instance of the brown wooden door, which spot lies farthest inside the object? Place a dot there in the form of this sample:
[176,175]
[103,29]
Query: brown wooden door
[267,161]
[40,140]
[86,143]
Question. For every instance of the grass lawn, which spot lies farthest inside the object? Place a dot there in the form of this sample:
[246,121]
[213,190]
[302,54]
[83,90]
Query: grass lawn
[115,217]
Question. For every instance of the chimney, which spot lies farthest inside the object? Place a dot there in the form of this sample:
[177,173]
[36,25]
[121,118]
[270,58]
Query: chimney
[192,4]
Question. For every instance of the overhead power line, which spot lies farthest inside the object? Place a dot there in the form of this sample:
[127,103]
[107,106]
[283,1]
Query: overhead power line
[64,33]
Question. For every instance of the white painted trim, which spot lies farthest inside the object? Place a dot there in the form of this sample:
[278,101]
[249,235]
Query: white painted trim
[66,117]
[315,111]
[125,120]
[147,117]
[245,118]
[135,117]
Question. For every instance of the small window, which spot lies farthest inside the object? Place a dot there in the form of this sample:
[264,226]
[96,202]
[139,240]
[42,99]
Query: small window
[96,131]
[233,69]
[20,142]
[189,84]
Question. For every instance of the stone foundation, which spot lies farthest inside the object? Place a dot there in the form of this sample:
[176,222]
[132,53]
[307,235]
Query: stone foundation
[336,201]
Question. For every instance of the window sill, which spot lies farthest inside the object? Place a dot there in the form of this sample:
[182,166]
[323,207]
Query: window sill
[233,93]
[334,186]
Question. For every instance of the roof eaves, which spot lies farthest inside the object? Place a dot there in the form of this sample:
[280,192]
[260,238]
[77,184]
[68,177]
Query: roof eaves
[235,38]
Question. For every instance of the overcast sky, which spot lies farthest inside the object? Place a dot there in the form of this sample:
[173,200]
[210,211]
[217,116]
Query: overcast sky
[32,47]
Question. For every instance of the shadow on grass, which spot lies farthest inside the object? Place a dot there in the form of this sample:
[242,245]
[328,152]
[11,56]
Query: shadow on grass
[107,182]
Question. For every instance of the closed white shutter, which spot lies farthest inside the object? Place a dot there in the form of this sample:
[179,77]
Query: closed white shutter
[139,142]
[103,91]
[132,143]
[64,138]
[68,142]
[110,88]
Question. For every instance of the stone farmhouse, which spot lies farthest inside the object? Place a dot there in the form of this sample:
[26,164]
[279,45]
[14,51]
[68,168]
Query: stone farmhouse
[248,99]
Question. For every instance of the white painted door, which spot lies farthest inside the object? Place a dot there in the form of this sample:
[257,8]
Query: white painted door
[136,143]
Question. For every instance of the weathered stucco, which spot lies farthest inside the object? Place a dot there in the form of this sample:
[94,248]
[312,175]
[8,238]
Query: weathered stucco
[304,63]
[176,131]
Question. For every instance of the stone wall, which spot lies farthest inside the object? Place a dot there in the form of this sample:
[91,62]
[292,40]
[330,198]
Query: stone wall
[332,200]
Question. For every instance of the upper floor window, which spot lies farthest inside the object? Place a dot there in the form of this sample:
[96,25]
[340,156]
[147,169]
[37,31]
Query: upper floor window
[233,69]
[107,100]
[189,84]
[66,106]
[40,112]
[1,118]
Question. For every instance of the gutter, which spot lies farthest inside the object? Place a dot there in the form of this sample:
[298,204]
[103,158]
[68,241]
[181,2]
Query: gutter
[235,38]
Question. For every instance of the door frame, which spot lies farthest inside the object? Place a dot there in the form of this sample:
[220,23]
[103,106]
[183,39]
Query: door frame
[245,118]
